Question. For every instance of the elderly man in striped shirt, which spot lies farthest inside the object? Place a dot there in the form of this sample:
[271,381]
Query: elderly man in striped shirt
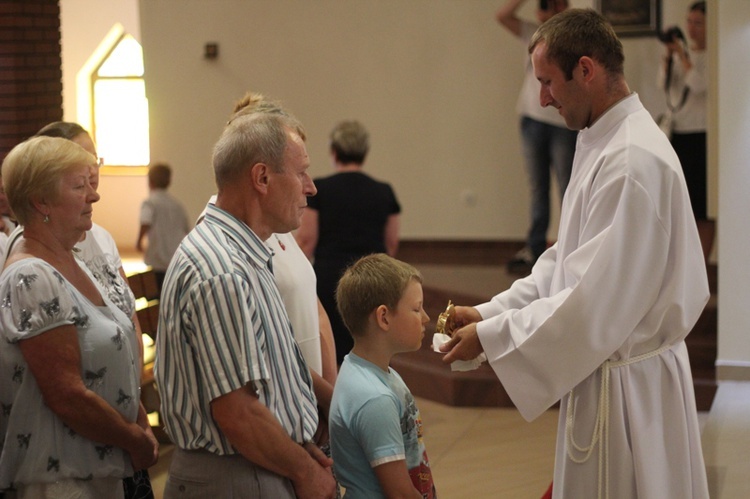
[238,399]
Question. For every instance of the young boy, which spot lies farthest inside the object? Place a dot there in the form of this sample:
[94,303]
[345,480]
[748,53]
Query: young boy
[163,220]
[375,426]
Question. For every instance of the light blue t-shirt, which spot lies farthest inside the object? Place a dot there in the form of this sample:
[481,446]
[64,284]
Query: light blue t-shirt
[374,420]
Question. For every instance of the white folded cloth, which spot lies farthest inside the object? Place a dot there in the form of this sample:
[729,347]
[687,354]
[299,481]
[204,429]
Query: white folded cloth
[458,365]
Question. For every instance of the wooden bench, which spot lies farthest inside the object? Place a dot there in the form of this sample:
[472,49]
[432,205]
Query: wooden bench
[146,291]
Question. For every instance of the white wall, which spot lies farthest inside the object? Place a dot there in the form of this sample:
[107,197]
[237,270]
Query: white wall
[435,82]
[733,119]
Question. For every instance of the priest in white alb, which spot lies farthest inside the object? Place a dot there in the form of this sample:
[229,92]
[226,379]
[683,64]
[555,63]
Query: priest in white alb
[600,323]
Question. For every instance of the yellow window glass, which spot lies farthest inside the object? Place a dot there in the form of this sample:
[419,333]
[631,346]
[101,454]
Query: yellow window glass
[120,106]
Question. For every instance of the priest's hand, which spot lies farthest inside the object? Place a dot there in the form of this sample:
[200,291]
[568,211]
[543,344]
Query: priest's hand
[465,316]
[463,345]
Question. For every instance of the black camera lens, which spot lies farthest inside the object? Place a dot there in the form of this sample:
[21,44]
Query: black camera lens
[671,35]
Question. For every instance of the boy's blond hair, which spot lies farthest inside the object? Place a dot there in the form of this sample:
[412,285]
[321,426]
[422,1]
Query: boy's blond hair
[371,281]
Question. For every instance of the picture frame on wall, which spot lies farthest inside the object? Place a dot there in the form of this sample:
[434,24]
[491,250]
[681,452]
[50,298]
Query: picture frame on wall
[632,17]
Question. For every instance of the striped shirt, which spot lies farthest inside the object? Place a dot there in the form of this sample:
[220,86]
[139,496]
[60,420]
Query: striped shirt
[222,325]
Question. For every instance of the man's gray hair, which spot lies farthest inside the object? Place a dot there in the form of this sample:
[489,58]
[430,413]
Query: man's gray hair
[251,139]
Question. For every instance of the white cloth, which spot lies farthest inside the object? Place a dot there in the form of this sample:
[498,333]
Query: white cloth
[296,280]
[626,277]
[440,339]
[9,243]
[528,99]
[99,251]
[98,241]
[168,224]
[3,241]
[9,225]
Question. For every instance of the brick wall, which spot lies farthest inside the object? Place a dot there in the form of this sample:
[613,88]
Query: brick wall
[30,69]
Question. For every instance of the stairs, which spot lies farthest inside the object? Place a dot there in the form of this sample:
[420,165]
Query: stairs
[429,378]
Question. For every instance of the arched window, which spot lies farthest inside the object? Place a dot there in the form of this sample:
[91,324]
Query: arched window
[120,110]
[116,110]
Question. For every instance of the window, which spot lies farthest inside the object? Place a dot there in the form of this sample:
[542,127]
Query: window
[118,106]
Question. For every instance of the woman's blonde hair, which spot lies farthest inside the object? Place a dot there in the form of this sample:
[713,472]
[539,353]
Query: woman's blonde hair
[32,171]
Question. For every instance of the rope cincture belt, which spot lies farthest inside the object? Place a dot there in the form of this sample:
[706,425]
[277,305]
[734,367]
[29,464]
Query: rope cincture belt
[601,423]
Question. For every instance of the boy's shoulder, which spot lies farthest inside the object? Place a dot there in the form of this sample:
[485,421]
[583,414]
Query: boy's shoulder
[360,381]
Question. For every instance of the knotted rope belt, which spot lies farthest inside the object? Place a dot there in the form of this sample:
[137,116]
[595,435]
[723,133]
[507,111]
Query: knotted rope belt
[600,433]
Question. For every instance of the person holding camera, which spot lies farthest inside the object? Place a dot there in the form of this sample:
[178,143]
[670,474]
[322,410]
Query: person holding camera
[547,143]
[683,76]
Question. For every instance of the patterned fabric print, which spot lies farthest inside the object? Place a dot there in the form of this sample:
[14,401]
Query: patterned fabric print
[52,307]
[80,320]
[92,379]
[99,252]
[24,322]
[104,451]
[124,399]
[23,440]
[138,486]
[26,280]
[110,279]
[37,299]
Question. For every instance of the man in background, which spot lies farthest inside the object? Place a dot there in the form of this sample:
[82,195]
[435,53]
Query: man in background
[548,145]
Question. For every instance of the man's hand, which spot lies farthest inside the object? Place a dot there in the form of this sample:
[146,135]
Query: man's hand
[317,454]
[318,482]
[145,450]
[464,345]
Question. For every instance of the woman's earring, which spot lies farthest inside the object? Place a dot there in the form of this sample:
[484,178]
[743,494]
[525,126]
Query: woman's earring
[46,219]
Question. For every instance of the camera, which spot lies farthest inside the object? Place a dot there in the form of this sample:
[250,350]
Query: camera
[671,35]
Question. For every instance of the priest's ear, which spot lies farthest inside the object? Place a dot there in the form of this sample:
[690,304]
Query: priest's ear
[587,68]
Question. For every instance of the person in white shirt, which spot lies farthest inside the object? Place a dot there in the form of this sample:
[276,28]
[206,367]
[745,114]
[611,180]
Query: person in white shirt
[684,77]
[600,323]
[548,145]
[164,222]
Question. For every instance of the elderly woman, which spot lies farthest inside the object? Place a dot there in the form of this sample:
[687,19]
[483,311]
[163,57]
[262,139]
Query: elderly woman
[97,247]
[69,360]
[98,250]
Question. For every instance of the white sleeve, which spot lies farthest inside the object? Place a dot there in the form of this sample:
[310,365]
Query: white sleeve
[147,213]
[543,350]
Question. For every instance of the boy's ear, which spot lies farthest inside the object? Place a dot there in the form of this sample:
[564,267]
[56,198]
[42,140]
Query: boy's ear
[381,317]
